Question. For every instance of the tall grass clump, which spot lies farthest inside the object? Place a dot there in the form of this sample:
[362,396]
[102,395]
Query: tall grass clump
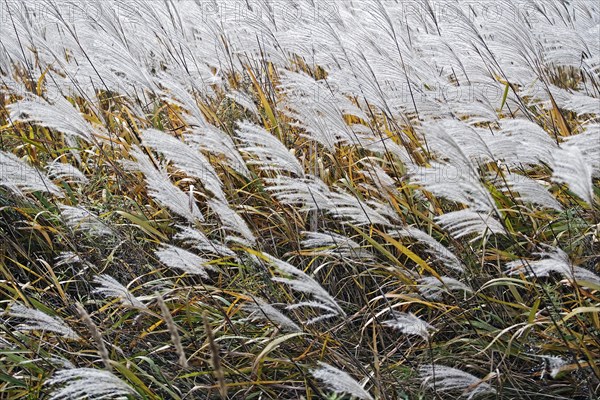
[254,199]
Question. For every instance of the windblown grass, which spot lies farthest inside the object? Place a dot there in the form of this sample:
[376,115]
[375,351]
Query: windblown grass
[267,200]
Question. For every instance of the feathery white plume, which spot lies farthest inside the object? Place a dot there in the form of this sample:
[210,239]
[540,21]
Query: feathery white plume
[455,182]
[555,261]
[260,309]
[175,257]
[409,324]
[110,287]
[570,167]
[66,172]
[301,282]
[339,381]
[61,116]
[191,160]
[162,189]
[84,220]
[200,242]
[36,320]
[436,249]
[334,245]
[446,379]
[88,383]
[531,191]
[21,177]
[432,288]
[243,100]
[468,222]
[270,153]
[233,222]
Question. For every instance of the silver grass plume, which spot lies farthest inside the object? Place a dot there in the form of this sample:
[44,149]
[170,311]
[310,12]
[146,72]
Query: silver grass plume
[446,379]
[468,222]
[301,282]
[570,167]
[438,250]
[84,220]
[409,324]
[59,115]
[87,383]
[313,194]
[177,258]
[21,178]
[66,172]
[334,245]
[270,154]
[261,310]
[189,159]
[36,320]
[162,189]
[199,241]
[553,261]
[340,381]
[433,288]
[110,287]
[243,100]
[531,191]
[455,182]
[233,222]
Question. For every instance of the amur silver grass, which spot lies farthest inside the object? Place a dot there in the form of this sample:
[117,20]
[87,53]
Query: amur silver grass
[445,379]
[340,381]
[457,183]
[162,189]
[180,259]
[570,167]
[67,258]
[84,220]
[59,115]
[299,281]
[588,143]
[334,245]
[382,182]
[88,383]
[261,310]
[470,223]
[531,191]
[434,288]
[348,207]
[313,194]
[66,173]
[553,261]
[243,100]
[110,287]
[409,324]
[200,242]
[435,248]
[233,222]
[467,130]
[22,178]
[189,159]
[268,151]
[36,320]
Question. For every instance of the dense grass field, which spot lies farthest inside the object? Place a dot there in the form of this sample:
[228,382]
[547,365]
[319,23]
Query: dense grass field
[268,199]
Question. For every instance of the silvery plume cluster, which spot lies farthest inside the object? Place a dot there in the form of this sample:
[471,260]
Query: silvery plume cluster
[380,199]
